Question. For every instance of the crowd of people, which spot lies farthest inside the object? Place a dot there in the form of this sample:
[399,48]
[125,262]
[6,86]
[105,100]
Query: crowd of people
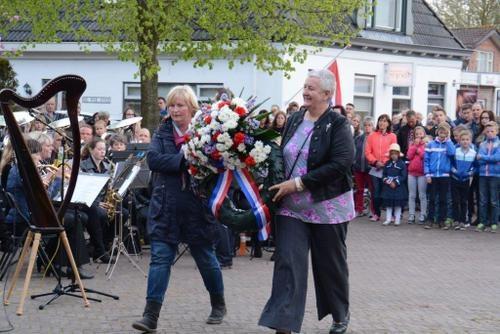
[445,173]
[447,169]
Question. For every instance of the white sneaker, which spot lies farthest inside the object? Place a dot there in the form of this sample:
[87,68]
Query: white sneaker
[386,223]
[397,223]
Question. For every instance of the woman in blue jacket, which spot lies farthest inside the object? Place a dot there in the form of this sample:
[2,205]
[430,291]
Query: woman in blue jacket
[177,215]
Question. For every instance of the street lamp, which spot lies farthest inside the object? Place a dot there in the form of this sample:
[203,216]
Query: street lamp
[27,89]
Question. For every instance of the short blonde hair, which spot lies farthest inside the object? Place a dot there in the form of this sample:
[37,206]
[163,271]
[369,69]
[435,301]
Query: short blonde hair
[492,124]
[186,93]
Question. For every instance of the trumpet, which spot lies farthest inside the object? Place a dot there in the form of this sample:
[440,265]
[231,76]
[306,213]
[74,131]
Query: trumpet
[49,172]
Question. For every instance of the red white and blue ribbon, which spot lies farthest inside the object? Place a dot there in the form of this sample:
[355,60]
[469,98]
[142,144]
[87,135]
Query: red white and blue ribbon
[251,191]
[220,191]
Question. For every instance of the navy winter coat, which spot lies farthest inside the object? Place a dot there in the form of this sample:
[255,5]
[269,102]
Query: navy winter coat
[176,214]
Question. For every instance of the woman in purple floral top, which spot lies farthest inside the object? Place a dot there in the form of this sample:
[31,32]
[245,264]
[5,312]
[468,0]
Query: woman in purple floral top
[316,204]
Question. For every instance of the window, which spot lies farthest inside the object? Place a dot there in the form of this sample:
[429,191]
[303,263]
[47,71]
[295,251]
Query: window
[387,15]
[484,61]
[435,95]
[401,99]
[363,94]
[132,92]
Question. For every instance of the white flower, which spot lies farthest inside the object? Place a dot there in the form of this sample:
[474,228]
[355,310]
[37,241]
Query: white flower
[239,102]
[241,147]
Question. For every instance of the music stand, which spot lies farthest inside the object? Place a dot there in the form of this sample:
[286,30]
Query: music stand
[88,186]
[118,242]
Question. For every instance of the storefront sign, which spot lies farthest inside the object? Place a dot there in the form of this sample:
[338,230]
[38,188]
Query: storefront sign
[398,74]
[97,99]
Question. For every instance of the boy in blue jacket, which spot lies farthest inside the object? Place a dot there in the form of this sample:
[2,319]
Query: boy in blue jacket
[437,167]
[462,170]
[488,159]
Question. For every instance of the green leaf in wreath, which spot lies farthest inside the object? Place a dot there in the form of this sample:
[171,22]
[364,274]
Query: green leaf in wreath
[266,134]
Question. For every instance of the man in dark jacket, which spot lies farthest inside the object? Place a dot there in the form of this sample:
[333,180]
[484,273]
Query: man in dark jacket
[406,133]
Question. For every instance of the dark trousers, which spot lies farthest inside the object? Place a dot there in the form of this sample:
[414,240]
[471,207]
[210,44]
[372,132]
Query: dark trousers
[363,180]
[97,221]
[460,196]
[377,194]
[285,308]
[473,197]
[489,188]
[438,191]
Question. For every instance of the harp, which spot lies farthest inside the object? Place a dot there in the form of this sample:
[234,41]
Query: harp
[44,218]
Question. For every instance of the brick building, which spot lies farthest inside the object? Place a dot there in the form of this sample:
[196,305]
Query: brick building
[482,70]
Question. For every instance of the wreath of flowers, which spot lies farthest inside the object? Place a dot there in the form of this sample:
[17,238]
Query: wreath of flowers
[225,139]
[226,135]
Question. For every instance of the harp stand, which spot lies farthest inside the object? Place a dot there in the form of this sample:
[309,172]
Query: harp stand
[35,236]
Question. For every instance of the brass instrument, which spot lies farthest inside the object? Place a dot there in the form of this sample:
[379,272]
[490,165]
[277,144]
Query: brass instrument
[112,198]
[49,172]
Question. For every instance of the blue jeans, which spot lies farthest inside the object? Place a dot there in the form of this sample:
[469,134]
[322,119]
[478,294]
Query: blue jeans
[488,199]
[162,256]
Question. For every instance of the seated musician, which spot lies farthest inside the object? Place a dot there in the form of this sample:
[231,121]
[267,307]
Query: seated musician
[52,181]
[144,136]
[93,161]
[130,132]
[47,143]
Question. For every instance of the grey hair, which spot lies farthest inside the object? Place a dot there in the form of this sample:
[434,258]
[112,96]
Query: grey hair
[41,137]
[326,78]
[368,119]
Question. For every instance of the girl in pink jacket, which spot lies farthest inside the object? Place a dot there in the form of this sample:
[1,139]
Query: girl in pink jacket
[416,177]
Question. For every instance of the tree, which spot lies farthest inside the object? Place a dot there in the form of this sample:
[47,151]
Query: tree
[266,33]
[469,13]
[7,75]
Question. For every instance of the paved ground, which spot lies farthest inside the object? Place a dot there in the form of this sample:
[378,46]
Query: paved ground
[403,280]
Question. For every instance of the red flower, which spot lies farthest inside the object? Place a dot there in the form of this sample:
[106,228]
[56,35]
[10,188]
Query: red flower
[240,111]
[239,138]
[208,119]
[187,137]
[193,170]
[222,104]
[215,136]
[250,161]
[215,155]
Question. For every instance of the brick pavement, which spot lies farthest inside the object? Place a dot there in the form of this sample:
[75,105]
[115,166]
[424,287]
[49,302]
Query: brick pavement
[403,280]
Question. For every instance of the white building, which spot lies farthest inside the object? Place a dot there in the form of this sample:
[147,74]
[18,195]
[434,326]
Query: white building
[404,57]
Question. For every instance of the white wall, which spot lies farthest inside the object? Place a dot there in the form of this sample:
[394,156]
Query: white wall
[350,62]
[105,77]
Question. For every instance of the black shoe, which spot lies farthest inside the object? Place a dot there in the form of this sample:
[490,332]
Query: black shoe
[257,252]
[340,327]
[84,274]
[104,258]
[149,320]
[218,309]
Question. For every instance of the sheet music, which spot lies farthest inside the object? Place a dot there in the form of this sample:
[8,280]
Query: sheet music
[133,173]
[88,186]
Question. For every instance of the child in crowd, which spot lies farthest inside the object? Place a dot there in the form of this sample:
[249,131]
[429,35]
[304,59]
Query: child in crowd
[394,193]
[488,159]
[416,178]
[100,128]
[462,171]
[437,166]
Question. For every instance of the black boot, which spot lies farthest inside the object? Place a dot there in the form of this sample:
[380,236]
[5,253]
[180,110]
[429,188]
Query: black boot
[149,319]
[218,309]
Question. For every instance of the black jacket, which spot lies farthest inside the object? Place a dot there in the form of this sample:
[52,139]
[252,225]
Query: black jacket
[331,153]
[403,137]
[175,213]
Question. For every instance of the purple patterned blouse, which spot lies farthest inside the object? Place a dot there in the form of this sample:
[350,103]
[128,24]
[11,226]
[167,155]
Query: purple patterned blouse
[300,205]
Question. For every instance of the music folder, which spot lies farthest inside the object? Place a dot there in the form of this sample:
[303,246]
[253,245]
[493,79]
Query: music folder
[88,186]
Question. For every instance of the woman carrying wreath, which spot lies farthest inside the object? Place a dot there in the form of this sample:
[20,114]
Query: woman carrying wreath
[177,215]
[316,204]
